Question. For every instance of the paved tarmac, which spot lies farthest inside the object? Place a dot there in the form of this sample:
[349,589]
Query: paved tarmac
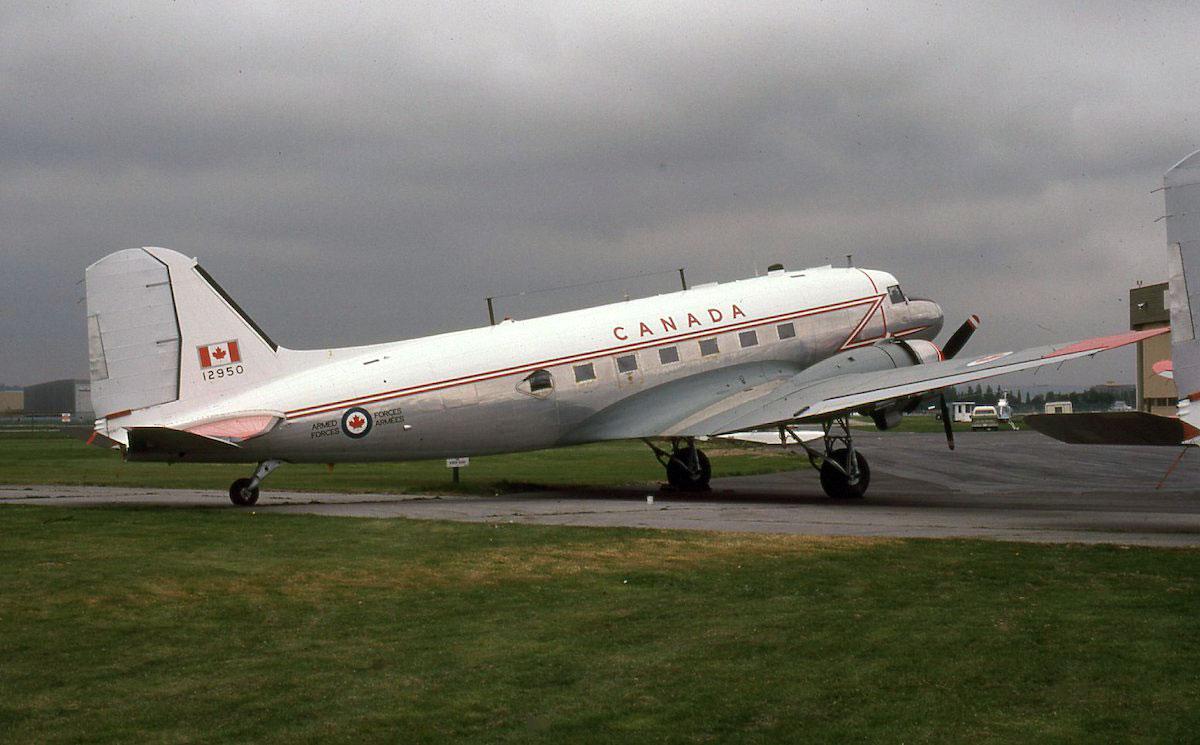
[1017,486]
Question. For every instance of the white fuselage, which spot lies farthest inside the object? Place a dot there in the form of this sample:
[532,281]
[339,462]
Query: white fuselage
[470,392]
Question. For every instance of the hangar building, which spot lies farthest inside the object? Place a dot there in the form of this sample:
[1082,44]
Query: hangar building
[1149,309]
[12,402]
[60,397]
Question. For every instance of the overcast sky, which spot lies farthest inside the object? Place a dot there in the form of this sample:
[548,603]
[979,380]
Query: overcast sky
[360,172]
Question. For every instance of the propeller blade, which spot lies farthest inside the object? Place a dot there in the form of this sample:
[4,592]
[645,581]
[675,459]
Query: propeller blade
[946,423]
[959,339]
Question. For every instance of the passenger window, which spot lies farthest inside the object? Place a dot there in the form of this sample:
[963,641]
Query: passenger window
[584,373]
[786,330]
[538,383]
[748,339]
[667,355]
[627,363]
[708,347]
[896,295]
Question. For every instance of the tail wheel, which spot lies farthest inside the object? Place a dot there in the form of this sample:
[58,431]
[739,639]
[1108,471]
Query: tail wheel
[836,484]
[679,470]
[241,494]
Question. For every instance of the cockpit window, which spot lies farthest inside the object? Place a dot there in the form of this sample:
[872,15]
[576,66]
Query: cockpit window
[896,295]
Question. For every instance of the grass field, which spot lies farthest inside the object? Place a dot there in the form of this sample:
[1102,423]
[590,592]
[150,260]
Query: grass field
[54,458]
[128,625]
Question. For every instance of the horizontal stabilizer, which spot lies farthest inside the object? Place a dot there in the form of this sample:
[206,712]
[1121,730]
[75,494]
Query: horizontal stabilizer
[166,444]
[90,436]
[1110,428]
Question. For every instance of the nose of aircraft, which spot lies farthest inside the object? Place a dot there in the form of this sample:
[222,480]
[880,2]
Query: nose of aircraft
[923,312]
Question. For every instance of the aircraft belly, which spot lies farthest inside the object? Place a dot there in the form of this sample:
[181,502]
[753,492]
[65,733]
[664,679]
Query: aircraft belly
[488,417]
[494,426]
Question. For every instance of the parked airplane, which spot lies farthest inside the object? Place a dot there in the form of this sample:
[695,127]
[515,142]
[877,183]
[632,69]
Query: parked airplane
[180,373]
[1181,187]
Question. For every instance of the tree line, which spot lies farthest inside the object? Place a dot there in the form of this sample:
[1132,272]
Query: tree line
[1096,398]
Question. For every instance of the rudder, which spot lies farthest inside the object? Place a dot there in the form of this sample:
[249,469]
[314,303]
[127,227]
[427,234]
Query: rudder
[160,330]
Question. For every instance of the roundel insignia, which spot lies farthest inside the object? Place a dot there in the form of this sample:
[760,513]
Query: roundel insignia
[356,422]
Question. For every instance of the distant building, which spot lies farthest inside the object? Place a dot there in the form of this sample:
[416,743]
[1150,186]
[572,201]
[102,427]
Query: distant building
[57,397]
[12,402]
[1150,309]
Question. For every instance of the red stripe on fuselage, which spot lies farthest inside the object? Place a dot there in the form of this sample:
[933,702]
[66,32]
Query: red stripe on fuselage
[850,342]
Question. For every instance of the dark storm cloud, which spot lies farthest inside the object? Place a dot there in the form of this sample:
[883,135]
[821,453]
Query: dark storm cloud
[359,173]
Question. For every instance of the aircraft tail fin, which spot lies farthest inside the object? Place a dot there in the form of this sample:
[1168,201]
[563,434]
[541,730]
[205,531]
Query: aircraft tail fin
[161,330]
[1181,185]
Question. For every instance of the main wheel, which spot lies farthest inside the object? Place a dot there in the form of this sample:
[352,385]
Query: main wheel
[240,493]
[679,473]
[836,484]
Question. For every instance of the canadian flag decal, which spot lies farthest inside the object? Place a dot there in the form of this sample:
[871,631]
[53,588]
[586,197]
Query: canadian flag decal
[221,353]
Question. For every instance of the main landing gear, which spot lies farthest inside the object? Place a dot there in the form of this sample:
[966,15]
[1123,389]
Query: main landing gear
[244,492]
[687,465]
[844,471]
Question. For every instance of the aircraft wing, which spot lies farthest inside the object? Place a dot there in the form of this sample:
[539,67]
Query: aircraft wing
[772,437]
[833,396]
[669,409]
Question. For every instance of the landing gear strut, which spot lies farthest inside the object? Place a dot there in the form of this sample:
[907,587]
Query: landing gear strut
[844,471]
[244,492]
[687,465]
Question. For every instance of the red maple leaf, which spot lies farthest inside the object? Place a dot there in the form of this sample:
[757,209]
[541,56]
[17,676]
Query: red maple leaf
[357,421]
[219,353]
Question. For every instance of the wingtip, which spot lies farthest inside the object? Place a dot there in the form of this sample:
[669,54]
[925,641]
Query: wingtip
[1190,161]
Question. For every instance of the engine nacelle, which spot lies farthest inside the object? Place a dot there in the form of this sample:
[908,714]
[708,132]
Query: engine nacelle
[887,417]
[924,351]
[886,355]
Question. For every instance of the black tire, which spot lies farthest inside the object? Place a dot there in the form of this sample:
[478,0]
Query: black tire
[679,475]
[835,483]
[240,495]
